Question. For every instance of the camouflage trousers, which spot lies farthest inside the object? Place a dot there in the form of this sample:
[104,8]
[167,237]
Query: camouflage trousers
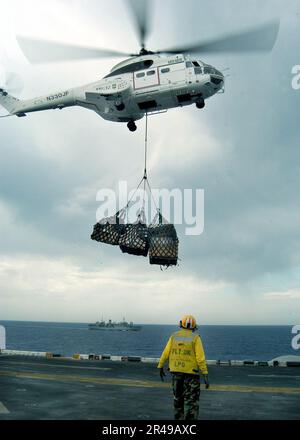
[186,390]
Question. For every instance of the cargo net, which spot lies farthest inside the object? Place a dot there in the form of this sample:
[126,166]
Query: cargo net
[159,240]
[135,239]
[110,230]
[131,237]
[163,243]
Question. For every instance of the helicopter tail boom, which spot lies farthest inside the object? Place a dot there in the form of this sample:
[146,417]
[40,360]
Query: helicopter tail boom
[20,108]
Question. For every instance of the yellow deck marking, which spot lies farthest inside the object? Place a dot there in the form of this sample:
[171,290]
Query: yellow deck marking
[256,389]
[3,409]
[144,384]
[55,365]
[95,380]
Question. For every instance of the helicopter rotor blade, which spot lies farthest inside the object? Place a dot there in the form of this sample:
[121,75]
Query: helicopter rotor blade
[261,38]
[140,11]
[44,51]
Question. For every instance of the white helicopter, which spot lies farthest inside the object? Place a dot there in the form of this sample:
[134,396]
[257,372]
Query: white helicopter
[149,82]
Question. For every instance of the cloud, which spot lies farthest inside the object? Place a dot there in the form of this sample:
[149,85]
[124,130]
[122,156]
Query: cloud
[284,296]
[49,285]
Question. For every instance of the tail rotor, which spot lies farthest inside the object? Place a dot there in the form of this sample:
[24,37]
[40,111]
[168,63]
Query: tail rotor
[11,83]
[11,86]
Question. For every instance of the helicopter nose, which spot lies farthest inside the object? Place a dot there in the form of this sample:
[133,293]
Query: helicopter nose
[217,80]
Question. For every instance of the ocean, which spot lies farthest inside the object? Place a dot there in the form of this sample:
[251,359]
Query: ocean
[220,342]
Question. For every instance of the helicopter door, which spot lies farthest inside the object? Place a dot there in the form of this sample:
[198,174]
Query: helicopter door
[178,74]
[148,78]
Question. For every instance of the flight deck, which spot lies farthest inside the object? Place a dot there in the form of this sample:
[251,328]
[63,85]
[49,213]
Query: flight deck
[33,388]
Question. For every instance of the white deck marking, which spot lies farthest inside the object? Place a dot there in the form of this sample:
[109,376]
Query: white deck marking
[274,375]
[3,409]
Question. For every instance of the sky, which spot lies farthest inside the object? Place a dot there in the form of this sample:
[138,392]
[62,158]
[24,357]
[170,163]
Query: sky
[242,150]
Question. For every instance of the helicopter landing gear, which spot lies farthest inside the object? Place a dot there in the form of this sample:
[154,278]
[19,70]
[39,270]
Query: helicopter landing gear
[132,126]
[200,103]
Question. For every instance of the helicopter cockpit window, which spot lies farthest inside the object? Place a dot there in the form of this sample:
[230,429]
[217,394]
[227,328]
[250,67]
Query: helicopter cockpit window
[217,72]
[208,70]
[131,68]
[196,64]
[212,71]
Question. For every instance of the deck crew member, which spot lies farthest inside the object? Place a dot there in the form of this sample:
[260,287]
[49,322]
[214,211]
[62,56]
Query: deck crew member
[185,353]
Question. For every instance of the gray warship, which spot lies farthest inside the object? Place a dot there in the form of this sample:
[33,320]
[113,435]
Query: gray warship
[123,326]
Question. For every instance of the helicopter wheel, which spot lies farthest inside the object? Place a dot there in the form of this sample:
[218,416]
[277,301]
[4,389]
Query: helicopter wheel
[132,126]
[200,104]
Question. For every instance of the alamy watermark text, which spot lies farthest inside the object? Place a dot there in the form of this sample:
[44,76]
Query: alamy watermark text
[181,207]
